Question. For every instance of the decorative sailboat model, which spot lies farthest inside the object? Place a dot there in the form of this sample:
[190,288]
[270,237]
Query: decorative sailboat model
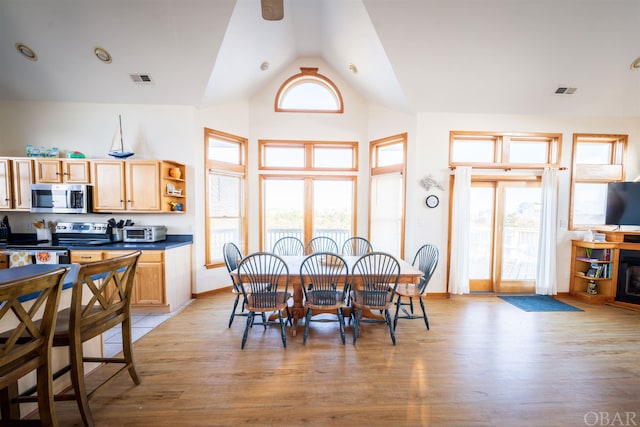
[117,145]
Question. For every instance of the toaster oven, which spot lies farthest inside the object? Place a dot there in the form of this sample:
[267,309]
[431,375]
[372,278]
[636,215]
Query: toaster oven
[144,233]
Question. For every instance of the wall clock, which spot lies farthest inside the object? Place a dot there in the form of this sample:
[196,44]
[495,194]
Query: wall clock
[432,201]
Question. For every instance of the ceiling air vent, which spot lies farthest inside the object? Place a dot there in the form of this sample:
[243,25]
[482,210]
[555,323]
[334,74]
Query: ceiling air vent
[141,79]
[565,90]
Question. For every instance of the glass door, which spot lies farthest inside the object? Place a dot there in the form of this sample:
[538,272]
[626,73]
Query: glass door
[505,226]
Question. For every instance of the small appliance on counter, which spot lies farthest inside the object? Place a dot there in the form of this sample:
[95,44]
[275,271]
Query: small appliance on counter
[145,233]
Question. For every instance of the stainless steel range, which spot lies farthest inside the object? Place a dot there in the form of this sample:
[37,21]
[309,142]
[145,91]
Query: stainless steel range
[84,233]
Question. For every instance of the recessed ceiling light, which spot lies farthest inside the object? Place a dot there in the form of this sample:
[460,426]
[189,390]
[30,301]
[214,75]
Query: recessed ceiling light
[102,55]
[635,65]
[264,66]
[26,51]
[353,68]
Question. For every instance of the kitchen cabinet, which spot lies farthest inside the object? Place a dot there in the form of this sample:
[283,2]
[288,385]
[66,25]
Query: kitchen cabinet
[173,187]
[16,177]
[163,277]
[57,171]
[5,184]
[108,185]
[143,185]
[137,186]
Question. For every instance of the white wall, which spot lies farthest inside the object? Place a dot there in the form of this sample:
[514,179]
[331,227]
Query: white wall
[432,156]
[176,133]
[152,132]
[265,123]
[233,119]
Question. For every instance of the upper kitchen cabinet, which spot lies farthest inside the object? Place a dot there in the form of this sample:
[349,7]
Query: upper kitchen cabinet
[143,185]
[137,186]
[173,187]
[5,184]
[108,185]
[16,177]
[58,171]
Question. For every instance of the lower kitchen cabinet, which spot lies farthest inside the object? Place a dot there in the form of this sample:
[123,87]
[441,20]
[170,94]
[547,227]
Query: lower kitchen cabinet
[163,277]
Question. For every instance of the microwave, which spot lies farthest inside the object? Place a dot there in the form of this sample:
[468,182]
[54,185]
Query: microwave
[61,198]
[144,233]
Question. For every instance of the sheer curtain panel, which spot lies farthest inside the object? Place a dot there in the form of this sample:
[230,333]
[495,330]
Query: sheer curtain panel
[546,269]
[461,228]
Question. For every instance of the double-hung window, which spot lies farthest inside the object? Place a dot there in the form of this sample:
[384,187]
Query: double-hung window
[226,212]
[597,160]
[387,193]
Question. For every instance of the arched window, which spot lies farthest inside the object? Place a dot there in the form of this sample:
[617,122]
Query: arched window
[307,92]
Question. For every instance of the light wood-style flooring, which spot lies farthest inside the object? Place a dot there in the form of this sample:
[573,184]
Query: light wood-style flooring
[483,363]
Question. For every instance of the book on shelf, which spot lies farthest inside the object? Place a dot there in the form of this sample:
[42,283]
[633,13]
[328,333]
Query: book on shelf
[599,271]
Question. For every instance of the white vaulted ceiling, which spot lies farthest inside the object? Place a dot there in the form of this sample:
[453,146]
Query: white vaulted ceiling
[467,56]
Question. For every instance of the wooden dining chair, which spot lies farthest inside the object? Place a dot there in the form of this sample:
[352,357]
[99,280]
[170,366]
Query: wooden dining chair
[264,280]
[356,246]
[27,346]
[101,299]
[322,244]
[426,259]
[325,280]
[288,246]
[232,257]
[377,276]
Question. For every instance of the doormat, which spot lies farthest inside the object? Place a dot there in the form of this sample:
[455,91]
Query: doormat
[539,303]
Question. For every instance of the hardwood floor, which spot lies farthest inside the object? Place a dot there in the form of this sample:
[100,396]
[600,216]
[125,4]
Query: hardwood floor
[483,363]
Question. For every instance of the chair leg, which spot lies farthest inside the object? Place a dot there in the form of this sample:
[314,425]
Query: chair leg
[246,328]
[398,307]
[307,320]
[10,410]
[127,350]
[356,324]
[387,317]
[283,330]
[341,320]
[46,407]
[77,381]
[289,318]
[233,312]
[424,313]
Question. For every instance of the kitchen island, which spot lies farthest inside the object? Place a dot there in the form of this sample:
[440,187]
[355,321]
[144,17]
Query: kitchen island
[163,277]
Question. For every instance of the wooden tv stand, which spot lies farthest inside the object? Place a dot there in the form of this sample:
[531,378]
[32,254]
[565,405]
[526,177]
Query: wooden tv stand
[604,258]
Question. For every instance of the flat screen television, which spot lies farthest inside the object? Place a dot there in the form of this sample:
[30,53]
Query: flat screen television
[623,203]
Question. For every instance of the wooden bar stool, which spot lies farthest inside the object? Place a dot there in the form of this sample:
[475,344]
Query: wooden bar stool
[28,345]
[108,285]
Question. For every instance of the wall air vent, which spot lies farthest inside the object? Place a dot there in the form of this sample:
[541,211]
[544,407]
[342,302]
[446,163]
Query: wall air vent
[562,90]
[143,79]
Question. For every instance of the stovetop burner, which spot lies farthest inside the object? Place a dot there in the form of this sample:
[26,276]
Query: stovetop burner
[82,242]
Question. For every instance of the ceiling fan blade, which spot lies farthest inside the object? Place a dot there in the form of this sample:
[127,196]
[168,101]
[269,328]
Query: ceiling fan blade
[272,10]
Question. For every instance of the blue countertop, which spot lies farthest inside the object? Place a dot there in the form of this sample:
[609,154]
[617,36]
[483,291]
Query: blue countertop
[10,274]
[172,241]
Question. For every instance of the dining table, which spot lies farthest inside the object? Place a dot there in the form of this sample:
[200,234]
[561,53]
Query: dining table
[408,275]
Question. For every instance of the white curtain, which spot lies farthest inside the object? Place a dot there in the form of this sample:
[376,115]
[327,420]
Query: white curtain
[546,271]
[460,230]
